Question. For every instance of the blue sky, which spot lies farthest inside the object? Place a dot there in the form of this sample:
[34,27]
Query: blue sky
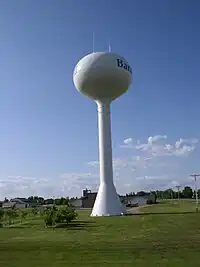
[48,137]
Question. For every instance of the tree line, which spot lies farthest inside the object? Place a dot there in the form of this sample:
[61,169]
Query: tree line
[42,201]
[186,193]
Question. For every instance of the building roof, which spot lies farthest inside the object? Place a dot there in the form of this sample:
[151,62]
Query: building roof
[17,200]
[9,204]
[20,199]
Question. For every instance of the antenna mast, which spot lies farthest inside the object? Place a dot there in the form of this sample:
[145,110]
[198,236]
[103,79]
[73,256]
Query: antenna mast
[93,40]
[109,46]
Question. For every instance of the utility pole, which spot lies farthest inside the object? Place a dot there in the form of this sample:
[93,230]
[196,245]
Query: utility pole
[195,186]
[178,188]
[171,191]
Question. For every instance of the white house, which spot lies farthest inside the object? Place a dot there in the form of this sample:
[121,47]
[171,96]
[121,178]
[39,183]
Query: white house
[12,204]
[18,203]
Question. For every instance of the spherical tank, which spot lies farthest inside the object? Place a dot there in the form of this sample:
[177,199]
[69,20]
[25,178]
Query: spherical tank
[102,75]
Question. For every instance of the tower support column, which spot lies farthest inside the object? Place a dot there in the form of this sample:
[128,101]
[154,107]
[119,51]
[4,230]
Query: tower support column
[107,202]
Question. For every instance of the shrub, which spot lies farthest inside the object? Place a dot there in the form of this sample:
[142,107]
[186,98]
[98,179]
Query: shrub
[50,215]
[48,219]
[10,215]
[1,217]
[35,211]
[65,215]
[23,214]
[53,215]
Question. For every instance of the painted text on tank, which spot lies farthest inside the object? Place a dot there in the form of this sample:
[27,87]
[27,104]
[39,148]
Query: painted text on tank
[124,65]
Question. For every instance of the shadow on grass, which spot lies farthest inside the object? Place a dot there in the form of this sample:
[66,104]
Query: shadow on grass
[77,225]
[83,222]
[161,213]
[162,202]
[14,227]
[21,226]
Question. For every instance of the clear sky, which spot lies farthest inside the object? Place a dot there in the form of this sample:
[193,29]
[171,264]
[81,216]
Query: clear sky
[48,133]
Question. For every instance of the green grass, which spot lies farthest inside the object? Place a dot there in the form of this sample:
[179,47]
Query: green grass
[149,239]
[171,206]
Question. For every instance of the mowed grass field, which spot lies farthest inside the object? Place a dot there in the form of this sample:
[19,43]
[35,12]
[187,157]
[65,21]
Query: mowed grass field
[165,234]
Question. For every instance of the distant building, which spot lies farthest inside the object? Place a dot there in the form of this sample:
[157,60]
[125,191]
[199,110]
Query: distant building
[13,204]
[19,203]
[86,201]
[139,200]
[88,198]
[77,203]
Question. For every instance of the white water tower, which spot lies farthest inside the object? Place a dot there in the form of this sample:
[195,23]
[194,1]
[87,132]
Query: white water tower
[103,77]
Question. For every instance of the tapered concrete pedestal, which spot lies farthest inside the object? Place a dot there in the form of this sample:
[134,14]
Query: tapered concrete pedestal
[107,202]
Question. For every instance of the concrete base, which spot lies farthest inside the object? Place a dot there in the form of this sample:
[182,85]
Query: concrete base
[107,202]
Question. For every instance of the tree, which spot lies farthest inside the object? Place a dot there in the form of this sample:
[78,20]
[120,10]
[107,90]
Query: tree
[187,192]
[34,211]
[58,201]
[22,214]
[6,200]
[65,215]
[198,193]
[1,217]
[154,197]
[54,215]
[41,200]
[141,193]
[11,215]
[49,201]
[50,215]
[66,202]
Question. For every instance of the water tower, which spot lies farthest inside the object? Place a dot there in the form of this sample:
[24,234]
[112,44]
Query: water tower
[103,77]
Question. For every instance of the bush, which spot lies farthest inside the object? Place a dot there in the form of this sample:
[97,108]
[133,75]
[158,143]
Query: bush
[53,215]
[10,215]
[50,215]
[35,211]
[65,215]
[23,214]
[48,219]
[1,217]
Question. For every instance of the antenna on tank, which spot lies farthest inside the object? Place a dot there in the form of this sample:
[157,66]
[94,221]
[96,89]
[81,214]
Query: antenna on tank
[109,46]
[93,40]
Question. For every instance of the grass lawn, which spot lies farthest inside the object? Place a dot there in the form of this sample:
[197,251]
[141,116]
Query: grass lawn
[140,240]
